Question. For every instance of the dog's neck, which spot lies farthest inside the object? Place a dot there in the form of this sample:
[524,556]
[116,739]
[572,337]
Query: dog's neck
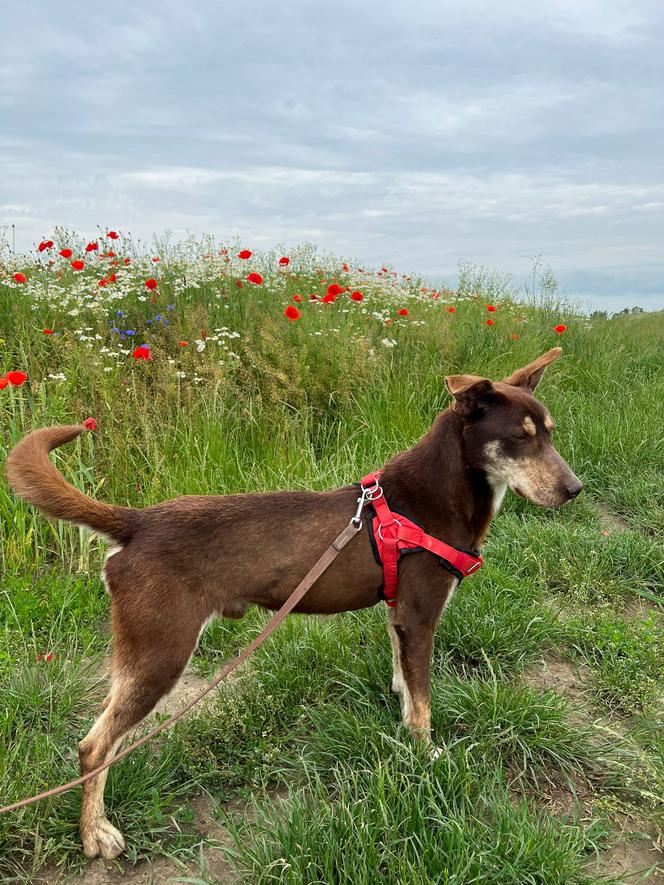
[434,484]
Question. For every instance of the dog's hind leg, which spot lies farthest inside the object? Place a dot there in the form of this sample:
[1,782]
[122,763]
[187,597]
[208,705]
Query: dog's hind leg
[146,664]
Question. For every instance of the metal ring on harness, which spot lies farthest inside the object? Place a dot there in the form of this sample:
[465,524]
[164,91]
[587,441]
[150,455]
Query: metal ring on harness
[380,534]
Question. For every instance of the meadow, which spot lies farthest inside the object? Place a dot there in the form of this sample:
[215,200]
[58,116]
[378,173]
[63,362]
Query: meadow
[210,371]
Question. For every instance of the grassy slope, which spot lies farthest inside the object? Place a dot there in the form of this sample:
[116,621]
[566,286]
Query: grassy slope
[312,404]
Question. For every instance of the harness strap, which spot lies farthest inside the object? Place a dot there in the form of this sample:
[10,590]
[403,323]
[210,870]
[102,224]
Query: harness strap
[394,534]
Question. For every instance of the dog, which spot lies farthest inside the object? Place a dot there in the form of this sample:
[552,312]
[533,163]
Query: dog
[177,564]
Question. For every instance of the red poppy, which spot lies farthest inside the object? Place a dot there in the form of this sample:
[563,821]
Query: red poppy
[16,378]
[489,322]
[156,260]
[255,278]
[151,283]
[356,296]
[77,264]
[92,246]
[334,289]
[47,331]
[45,244]
[90,424]
[103,282]
[451,309]
[66,253]
[345,267]
[244,254]
[49,657]
[239,284]
[127,262]
[3,383]
[142,353]
[328,299]
[297,298]
[113,234]
[292,313]
[109,254]
[560,328]
[283,261]
[514,336]
[491,308]
[20,278]
[183,343]
[314,297]
[403,312]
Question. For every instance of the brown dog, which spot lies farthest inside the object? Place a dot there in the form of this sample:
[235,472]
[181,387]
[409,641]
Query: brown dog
[179,563]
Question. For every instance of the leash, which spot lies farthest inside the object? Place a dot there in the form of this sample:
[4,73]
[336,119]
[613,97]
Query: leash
[305,584]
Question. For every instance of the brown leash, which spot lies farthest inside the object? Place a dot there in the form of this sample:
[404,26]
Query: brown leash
[305,584]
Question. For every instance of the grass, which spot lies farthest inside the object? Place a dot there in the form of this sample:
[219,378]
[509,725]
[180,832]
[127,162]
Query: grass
[252,402]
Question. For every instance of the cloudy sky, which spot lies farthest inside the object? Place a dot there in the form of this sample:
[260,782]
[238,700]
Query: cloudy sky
[415,133]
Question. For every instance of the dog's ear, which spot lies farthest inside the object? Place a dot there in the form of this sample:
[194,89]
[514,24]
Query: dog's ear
[531,375]
[472,395]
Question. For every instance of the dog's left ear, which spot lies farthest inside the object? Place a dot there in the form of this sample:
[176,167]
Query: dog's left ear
[472,395]
[531,375]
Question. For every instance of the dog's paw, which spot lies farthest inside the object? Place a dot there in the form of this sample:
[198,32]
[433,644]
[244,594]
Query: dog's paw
[435,752]
[103,839]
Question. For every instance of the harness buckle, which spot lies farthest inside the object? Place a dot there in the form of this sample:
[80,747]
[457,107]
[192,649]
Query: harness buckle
[380,527]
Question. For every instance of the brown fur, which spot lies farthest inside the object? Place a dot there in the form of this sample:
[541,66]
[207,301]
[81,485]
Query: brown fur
[181,562]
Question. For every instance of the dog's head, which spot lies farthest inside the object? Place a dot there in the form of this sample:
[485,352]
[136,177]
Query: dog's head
[507,433]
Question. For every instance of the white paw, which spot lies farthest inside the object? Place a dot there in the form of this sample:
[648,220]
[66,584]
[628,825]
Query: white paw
[103,839]
[436,752]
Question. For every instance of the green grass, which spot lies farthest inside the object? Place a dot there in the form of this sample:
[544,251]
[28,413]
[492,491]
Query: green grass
[268,404]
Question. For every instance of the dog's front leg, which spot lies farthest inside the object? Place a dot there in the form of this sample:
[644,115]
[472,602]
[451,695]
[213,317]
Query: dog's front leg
[411,626]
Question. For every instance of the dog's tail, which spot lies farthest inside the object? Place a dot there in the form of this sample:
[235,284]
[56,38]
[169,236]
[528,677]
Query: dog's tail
[33,476]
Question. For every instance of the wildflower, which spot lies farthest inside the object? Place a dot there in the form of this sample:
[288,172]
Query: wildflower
[314,297]
[47,331]
[3,383]
[102,282]
[45,244]
[357,296]
[297,298]
[142,353]
[66,253]
[113,234]
[491,308]
[403,312]
[334,289]
[113,277]
[90,424]
[171,307]
[489,322]
[151,283]
[239,284]
[129,332]
[255,278]
[451,309]
[20,278]
[77,264]
[49,657]
[92,246]
[16,378]
[329,298]
[514,336]
[560,328]
[345,267]
[244,254]
[283,261]
[183,343]
[388,342]
[127,262]
[292,313]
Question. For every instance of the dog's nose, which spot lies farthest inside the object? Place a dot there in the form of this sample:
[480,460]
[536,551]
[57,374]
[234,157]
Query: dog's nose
[574,488]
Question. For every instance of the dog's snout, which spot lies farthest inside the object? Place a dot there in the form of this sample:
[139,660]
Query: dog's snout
[574,488]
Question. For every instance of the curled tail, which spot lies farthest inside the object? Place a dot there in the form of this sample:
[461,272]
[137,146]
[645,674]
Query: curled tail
[33,476]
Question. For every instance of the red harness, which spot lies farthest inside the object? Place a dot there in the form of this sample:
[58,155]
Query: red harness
[393,534]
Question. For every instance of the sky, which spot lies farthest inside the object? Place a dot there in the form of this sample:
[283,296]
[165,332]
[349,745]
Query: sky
[416,134]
